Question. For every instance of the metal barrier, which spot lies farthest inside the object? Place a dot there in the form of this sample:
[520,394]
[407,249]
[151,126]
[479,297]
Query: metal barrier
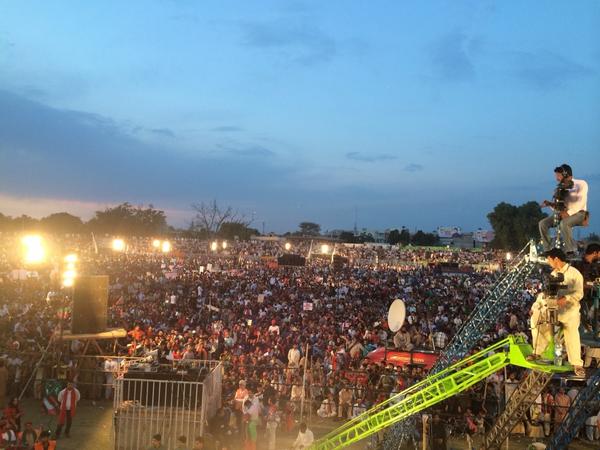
[172,408]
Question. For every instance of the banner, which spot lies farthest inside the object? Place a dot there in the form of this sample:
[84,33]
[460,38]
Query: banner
[307,306]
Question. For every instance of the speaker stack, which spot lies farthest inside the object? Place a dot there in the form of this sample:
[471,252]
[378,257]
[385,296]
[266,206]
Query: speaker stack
[90,304]
[289,259]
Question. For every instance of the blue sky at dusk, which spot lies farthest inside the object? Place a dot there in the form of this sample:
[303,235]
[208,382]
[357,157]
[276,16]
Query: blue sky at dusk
[411,113]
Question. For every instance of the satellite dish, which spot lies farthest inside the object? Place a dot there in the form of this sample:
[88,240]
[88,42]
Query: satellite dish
[396,315]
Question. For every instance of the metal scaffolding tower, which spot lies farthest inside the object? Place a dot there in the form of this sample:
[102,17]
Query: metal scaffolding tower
[518,403]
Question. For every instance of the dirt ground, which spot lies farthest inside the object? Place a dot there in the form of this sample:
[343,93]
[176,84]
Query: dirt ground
[92,430]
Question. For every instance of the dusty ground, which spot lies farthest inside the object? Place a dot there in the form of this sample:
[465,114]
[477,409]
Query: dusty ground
[92,430]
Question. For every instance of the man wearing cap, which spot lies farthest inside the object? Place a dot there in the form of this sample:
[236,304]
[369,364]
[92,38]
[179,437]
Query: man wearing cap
[574,213]
[568,311]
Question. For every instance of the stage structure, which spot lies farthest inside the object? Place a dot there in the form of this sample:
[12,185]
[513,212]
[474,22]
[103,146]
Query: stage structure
[170,400]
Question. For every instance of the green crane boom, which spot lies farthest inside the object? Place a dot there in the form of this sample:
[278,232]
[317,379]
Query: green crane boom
[447,383]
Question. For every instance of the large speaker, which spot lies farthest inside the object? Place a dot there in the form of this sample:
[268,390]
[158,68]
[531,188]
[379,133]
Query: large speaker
[289,259]
[90,304]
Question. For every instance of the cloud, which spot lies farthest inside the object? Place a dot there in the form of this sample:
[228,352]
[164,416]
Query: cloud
[227,129]
[246,150]
[451,57]
[301,43]
[413,168]
[53,153]
[547,70]
[358,156]
[165,132]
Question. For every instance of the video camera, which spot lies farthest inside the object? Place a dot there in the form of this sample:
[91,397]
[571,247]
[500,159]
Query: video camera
[552,284]
[561,193]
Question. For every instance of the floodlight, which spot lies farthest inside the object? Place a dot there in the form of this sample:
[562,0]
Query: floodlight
[165,247]
[288,246]
[508,256]
[34,249]
[68,282]
[324,248]
[69,274]
[118,245]
[156,243]
[71,258]
[224,245]
[213,246]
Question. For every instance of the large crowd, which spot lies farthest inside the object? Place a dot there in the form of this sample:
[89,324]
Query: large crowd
[292,340]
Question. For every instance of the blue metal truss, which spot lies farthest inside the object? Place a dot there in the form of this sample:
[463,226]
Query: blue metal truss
[583,406]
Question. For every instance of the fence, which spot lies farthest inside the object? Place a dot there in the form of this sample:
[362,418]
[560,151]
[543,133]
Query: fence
[145,405]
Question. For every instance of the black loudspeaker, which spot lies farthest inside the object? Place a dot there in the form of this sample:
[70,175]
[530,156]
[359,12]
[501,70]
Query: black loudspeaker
[289,259]
[90,308]
[339,262]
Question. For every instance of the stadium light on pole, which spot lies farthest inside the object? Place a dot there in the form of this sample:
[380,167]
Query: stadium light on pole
[69,275]
[324,248]
[288,246]
[118,245]
[165,246]
[224,245]
[213,246]
[156,243]
[35,253]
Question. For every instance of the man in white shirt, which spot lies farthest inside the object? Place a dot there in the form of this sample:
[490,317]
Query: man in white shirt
[573,214]
[305,438]
[568,311]
[68,399]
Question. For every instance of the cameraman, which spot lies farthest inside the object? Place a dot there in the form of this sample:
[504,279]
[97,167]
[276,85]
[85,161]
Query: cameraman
[568,311]
[572,208]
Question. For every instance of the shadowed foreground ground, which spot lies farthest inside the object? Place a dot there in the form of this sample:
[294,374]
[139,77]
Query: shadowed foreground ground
[92,430]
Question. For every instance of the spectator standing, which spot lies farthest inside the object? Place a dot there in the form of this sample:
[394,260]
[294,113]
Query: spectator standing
[3,382]
[67,398]
[562,402]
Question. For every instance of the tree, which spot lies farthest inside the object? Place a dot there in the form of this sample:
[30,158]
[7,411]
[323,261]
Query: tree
[22,223]
[61,223]
[593,237]
[393,237]
[210,217]
[513,225]
[404,236]
[309,229]
[231,230]
[399,236]
[347,236]
[422,238]
[129,220]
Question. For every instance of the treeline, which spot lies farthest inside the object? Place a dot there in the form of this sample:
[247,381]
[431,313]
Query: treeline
[128,220]
[124,219]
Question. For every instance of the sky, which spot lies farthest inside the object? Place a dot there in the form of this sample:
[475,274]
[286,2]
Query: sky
[385,113]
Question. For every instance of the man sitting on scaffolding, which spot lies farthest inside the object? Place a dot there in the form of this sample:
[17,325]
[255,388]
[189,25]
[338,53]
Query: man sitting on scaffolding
[570,209]
[567,301]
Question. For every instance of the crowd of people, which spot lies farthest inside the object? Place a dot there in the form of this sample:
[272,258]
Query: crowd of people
[292,340]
